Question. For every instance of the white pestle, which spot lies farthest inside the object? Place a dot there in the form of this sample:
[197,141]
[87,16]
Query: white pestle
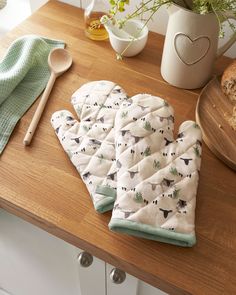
[119,32]
[129,40]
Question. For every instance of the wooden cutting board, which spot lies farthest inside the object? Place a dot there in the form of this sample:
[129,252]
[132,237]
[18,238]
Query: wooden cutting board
[212,110]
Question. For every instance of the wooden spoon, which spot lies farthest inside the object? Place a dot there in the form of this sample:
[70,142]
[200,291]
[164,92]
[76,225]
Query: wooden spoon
[59,61]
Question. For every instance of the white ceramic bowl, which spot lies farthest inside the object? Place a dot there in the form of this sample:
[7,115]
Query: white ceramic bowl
[121,38]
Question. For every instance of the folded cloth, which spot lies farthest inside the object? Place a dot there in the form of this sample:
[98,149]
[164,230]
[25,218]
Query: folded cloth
[90,143]
[157,177]
[24,73]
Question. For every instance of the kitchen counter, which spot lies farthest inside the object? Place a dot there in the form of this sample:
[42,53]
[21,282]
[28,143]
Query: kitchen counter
[39,184]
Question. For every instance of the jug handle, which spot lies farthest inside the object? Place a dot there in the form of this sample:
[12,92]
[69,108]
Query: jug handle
[232,39]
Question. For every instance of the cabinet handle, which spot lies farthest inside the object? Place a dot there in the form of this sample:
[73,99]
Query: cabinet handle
[85,259]
[117,276]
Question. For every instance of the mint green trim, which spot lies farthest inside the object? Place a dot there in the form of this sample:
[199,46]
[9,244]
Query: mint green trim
[152,233]
[106,191]
[104,205]
[107,202]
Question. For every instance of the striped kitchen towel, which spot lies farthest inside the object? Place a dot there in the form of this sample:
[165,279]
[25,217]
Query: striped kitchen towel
[24,73]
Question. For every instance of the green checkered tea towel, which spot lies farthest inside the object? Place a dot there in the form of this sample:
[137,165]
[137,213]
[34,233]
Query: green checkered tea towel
[24,73]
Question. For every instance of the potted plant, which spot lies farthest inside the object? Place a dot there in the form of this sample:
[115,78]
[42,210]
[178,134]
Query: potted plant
[191,43]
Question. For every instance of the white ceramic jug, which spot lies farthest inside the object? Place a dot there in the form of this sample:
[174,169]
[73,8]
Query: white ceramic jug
[191,47]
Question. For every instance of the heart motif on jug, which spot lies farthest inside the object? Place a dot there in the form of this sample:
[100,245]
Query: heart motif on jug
[191,50]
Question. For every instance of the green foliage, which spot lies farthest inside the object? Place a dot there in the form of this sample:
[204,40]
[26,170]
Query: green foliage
[195,125]
[119,56]
[196,151]
[206,6]
[174,171]
[219,8]
[147,126]
[102,106]
[124,114]
[156,164]
[138,197]
[86,128]
[176,193]
[118,6]
[147,152]
[165,103]
[78,109]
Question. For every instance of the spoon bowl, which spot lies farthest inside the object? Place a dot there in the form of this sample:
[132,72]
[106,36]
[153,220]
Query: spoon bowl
[59,61]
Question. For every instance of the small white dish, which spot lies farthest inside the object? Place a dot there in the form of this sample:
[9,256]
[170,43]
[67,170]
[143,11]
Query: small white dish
[120,38]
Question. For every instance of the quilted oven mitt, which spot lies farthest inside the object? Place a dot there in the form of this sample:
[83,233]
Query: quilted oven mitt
[90,143]
[157,176]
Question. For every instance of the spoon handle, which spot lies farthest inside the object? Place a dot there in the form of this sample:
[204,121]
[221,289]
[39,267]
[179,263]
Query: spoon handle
[38,113]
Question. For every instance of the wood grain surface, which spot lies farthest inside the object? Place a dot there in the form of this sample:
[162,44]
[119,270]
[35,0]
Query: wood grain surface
[39,184]
[213,109]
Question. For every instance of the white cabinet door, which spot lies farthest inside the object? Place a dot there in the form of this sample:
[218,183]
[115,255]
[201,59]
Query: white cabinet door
[3,292]
[127,287]
[130,286]
[146,289]
[33,262]
[91,274]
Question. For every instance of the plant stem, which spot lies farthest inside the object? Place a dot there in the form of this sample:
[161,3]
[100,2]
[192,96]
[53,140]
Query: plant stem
[217,16]
[140,7]
[146,22]
[153,9]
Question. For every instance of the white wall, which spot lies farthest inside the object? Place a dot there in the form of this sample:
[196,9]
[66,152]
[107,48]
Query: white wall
[12,14]
[35,262]
[35,4]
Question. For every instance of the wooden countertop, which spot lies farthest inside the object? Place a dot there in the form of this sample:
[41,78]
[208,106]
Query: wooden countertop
[39,184]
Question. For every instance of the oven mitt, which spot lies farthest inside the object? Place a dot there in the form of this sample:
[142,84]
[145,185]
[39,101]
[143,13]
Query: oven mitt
[90,143]
[157,176]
